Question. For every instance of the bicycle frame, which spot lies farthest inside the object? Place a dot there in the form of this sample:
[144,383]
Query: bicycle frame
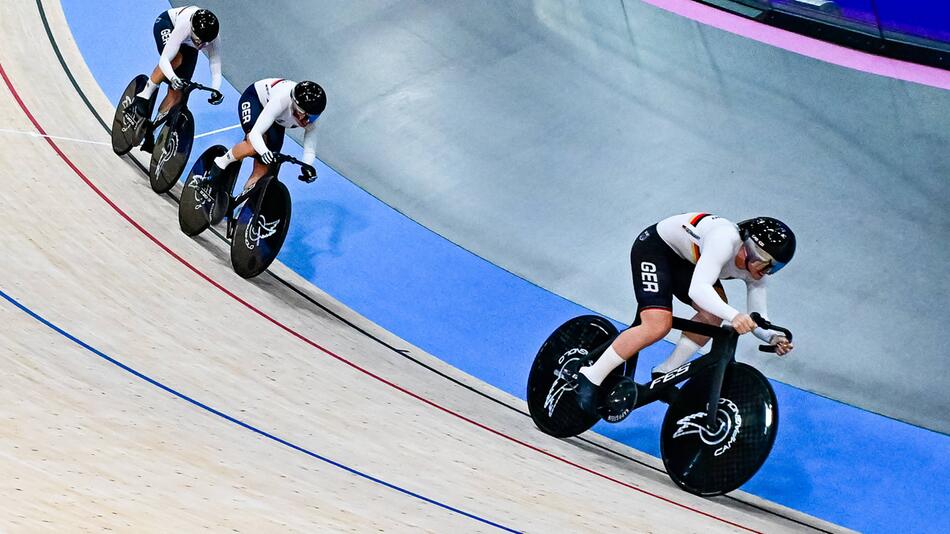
[272,174]
[722,353]
[181,104]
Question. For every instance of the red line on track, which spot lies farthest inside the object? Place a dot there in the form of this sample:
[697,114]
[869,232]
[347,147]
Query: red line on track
[313,344]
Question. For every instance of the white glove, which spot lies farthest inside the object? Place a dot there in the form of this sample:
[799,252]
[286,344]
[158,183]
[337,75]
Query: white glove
[177,83]
[267,157]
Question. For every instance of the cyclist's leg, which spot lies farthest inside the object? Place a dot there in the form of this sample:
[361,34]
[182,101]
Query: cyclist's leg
[274,138]
[249,109]
[161,30]
[690,342]
[655,323]
[653,277]
[184,66]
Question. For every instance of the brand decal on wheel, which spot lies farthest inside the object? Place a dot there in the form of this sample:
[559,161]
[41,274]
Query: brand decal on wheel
[728,420]
[563,379]
[202,192]
[169,149]
[129,119]
[261,230]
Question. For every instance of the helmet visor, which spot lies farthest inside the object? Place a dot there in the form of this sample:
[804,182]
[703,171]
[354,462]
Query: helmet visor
[302,115]
[755,253]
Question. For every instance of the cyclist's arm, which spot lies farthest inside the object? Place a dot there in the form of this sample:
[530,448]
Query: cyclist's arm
[718,249]
[264,121]
[310,143]
[213,51]
[172,47]
[756,300]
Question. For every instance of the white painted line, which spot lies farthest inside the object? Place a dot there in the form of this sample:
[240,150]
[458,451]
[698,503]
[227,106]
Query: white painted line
[59,138]
[212,132]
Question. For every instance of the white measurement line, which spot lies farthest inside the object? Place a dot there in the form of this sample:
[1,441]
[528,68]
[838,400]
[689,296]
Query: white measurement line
[57,137]
[212,132]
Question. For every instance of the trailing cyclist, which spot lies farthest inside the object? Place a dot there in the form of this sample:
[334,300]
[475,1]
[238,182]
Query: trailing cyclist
[179,34]
[687,256]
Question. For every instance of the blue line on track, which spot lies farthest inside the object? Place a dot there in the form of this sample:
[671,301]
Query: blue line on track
[238,422]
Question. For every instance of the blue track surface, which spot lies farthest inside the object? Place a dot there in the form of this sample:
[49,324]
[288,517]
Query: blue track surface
[830,460]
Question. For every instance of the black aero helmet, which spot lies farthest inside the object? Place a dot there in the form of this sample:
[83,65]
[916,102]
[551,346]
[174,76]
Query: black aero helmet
[204,25]
[769,240]
[309,97]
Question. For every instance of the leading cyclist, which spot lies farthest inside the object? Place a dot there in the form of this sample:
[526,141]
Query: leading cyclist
[687,255]
[179,34]
[266,109]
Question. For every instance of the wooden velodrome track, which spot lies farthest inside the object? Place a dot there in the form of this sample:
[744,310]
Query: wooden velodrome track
[146,387]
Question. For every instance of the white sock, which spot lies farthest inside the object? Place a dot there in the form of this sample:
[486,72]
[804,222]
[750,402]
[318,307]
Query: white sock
[685,348]
[149,90]
[607,362]
[223,161]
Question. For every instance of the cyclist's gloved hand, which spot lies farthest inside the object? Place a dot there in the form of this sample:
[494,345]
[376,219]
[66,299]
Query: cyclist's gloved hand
[268,157]
[177,83]
[216,98]
[782,345]
[308,173]
[743,323]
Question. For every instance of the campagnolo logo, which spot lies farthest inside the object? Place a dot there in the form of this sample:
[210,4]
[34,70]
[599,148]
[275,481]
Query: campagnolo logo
[563,379]
[729,422]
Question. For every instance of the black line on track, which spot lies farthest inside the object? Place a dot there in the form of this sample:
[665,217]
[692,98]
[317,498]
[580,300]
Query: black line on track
[402,352]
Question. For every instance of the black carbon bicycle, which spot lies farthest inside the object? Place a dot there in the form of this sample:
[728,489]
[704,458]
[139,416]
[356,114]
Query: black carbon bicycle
[705,451]
[175,139]
[257,231]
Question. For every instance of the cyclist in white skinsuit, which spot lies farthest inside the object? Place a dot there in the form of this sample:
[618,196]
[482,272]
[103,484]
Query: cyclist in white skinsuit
[267,108]
[686,256]
[179,34]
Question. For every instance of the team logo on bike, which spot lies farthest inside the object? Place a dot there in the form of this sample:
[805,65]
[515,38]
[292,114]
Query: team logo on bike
[169,149]
[129,120]
[261,230]
[563,378]
[202,190]
[729,422]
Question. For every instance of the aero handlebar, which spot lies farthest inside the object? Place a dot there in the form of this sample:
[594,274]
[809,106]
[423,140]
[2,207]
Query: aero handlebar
[764,323]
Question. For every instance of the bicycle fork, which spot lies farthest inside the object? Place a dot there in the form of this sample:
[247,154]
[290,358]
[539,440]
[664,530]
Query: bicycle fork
[727,344]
